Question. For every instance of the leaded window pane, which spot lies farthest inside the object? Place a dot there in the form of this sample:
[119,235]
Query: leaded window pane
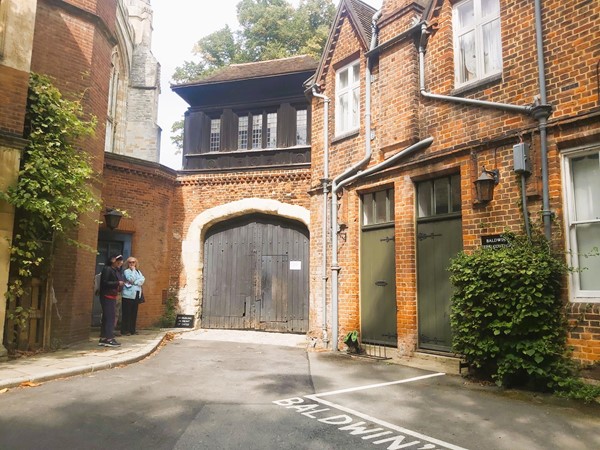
[243,133]
[272,130]
[301,127]
[257,131]
[215,135]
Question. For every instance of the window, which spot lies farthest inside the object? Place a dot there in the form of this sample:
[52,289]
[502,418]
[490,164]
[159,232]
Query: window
[582,184]
[477,41]
[243,133]
[272,130]
[347,99]
[215,135]
[378,207]
[301,127]
[257,131]
[439,196]
[111,114]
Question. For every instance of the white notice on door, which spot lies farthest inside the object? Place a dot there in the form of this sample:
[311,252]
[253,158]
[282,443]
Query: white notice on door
[295,265]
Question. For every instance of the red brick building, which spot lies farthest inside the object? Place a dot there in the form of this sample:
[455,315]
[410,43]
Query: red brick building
[422,97]
[241,212]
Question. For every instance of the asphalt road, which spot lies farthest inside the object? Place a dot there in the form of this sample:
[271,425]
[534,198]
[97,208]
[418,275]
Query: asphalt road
[200,394]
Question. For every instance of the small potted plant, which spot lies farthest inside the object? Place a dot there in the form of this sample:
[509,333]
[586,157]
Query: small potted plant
[351,340]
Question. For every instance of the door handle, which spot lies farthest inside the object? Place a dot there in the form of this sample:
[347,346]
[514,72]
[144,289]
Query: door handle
[381,283]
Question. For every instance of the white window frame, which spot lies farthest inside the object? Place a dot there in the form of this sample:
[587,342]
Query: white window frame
[477,27]
[352,89]
[576,294]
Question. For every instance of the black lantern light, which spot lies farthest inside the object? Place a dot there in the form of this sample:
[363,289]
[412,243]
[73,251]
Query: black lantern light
[484,185]
[112,217]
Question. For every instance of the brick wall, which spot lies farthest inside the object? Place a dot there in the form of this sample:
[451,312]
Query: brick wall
[13,98]
[197,194]
[146,191]
[466,139]
[73,45]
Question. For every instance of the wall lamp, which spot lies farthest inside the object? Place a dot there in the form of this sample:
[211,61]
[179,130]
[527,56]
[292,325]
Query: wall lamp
[484,185]
[112,217]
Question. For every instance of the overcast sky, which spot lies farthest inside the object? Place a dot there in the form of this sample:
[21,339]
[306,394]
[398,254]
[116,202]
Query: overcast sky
[178,25]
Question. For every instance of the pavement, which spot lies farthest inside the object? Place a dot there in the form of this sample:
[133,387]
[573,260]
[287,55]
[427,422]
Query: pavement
[86,357]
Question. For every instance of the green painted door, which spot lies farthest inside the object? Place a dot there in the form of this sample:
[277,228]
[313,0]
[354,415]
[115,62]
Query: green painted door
[437,243]
[378,287]
[439,238]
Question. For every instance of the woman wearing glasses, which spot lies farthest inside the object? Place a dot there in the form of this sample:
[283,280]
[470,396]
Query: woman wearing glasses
[132,296]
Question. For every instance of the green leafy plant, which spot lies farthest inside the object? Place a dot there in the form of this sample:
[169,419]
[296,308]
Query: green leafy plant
[167,320]
[508,318]
[351,336]
[352,341]
[53,187]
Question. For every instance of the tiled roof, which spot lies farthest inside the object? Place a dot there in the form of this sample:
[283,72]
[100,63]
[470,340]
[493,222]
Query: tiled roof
[364,15]
[360,15]
[259,69]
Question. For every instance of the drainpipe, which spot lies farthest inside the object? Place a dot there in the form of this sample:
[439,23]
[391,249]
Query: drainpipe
[335,186]
[388,162]
[542,113]
[465,101]
[324,182]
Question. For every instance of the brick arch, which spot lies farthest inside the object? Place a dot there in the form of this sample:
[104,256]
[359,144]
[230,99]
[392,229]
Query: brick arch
[190,295]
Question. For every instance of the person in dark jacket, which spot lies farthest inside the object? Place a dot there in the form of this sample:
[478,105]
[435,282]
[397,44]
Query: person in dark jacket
[110,285]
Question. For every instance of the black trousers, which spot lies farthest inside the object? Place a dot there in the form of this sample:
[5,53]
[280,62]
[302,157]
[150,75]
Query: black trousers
[129,311]
[107,325]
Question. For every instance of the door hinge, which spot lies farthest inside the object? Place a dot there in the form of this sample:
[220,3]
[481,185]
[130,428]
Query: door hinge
[423,236]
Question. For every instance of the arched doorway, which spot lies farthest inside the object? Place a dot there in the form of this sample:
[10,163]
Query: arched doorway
[256,274]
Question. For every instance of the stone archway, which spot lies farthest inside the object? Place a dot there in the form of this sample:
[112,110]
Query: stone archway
[190,295]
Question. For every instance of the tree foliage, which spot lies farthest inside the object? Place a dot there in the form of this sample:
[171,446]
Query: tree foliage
[52,190]
[269,29]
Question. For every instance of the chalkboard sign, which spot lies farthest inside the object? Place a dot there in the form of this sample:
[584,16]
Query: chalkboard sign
[184,321]
[494,241]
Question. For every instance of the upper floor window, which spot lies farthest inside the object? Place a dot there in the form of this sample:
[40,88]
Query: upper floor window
[271,130]
[257,131]
[477,40]
[242,133]
[215,135]
[347,98]
[301,127]
[582,186]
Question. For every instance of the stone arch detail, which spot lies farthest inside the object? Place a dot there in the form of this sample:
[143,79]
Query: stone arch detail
[192,258]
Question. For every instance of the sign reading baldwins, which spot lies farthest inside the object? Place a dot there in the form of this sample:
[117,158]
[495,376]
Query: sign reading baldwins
[494,241]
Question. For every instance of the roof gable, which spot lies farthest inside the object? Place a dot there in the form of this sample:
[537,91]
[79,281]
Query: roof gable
[359,15]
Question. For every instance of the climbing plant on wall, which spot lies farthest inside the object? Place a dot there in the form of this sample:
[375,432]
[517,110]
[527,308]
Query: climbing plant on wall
[53,188]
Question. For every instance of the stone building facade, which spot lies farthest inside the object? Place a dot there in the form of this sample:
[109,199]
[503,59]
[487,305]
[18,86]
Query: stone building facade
[424,97]
[16,37]
[98,51]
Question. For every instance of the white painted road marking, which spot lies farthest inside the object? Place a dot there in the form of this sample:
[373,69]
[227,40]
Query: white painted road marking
[385,433]
[371,386]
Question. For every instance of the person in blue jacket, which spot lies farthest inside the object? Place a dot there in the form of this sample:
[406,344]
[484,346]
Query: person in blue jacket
[132,296]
